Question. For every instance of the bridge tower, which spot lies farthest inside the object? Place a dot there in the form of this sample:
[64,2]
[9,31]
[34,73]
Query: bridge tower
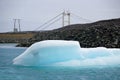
[65,18]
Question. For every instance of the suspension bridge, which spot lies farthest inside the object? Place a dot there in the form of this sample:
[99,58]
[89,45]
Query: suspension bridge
[65,18]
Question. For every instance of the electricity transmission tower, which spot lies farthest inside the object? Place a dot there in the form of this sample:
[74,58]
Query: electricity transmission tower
[17,25]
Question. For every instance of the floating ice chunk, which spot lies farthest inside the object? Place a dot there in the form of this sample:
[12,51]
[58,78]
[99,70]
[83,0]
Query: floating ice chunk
[48,52]
[100,61]
[66,53]
[94,52]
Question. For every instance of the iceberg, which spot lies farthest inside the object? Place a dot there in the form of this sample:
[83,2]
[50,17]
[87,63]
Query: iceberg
[48,52]
[66,53]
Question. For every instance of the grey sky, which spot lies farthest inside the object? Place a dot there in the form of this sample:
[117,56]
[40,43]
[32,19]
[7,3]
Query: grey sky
[35,12]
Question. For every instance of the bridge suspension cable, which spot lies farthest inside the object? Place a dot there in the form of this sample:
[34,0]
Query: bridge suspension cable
[48,22]
[51,23]
[74,15]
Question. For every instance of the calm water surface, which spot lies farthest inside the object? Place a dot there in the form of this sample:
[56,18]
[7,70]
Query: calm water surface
[8,71]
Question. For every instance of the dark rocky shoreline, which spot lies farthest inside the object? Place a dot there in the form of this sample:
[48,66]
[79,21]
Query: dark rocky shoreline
[104,33]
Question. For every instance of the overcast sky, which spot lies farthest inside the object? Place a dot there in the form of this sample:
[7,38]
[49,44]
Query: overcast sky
[33,13]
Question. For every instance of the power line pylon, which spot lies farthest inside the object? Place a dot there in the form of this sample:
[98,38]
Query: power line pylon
[65,18]
[17,23]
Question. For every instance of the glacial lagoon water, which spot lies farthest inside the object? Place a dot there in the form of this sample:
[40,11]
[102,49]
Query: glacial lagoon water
[8,71]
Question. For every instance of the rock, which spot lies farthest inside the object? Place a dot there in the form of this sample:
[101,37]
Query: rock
[104,33]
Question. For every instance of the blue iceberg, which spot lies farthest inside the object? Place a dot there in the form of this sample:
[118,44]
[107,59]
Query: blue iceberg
[66,53]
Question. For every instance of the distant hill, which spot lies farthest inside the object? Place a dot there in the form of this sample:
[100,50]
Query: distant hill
[105,33]
[15,37]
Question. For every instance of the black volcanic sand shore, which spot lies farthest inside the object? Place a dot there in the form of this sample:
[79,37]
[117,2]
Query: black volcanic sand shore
[104,33]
